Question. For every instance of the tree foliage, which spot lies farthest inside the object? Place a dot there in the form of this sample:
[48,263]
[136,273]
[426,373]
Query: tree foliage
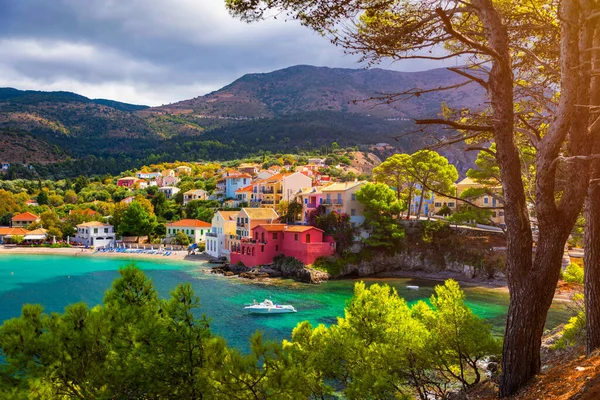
[381,212]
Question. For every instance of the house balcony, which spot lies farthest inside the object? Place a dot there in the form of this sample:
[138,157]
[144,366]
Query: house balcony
[212,234]
[280,191]
[312,205]
[333,202]
[248,241]
[268,202]
[267,191]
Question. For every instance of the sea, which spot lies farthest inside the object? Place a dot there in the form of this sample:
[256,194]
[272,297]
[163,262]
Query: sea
[54,281]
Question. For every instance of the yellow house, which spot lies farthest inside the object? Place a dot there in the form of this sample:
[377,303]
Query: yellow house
[223,225]
[492,200]
[341,197]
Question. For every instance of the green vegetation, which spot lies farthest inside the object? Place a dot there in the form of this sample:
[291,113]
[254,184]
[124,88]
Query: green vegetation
[573,273]
[136,345]
[382,210]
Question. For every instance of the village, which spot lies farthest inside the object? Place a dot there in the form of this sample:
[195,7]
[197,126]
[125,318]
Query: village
[243,214]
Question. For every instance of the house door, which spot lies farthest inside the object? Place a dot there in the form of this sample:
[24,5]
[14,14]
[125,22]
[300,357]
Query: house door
[308,238]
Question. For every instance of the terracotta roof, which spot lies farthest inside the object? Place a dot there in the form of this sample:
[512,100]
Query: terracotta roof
[12,231]
[245,189]
[229,215]
[301,228]
[237,175]
[272,227]
[26,216]
[261,213]
[93,223]
[196,223]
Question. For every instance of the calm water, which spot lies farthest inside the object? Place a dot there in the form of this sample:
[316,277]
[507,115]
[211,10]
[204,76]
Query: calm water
[55,281]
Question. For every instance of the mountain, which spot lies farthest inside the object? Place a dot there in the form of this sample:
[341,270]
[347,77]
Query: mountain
[289,110]
[306,88]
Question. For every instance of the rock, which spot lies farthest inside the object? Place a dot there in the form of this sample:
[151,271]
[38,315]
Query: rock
[460,395]
[580,369]
[228,273]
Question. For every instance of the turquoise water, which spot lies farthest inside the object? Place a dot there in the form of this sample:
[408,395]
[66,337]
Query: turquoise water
[56,281]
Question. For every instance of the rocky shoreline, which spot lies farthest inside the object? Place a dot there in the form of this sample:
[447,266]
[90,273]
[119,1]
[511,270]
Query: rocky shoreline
[282,268]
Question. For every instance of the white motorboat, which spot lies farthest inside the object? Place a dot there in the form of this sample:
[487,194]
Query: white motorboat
[412,287]
[268,307]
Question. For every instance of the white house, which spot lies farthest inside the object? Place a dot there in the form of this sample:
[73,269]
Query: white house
[194,228]
[96,234]
[223,225]
[197,194]
[169,191]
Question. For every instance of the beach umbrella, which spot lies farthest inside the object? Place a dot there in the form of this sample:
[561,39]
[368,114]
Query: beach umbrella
[53,239]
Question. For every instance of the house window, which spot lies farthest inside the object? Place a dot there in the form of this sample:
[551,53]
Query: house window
[353,212]
[451,204]
[263,236]
[501,213]
[274,235]
[246,220]
[191,231]
[494,214]
[262,248]
[353,196]
[438,204]
[296,237]
[486,200]
[276,247]
[308,238]
[105,230]
[95,230]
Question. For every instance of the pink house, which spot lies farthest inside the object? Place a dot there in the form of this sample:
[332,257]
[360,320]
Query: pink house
[305,243]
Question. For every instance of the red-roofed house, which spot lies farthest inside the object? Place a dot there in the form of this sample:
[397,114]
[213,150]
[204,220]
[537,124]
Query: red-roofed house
[194,228]
[305,243]
[7,233]
[24,219]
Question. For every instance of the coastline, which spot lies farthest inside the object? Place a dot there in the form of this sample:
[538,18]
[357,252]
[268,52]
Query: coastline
[180,255]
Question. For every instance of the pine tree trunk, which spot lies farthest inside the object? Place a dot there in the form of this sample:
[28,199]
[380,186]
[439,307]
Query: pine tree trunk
[592,264]
[531,296]
[592,218]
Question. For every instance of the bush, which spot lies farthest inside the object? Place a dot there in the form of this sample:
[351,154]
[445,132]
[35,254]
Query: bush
[573,331]
[573,274]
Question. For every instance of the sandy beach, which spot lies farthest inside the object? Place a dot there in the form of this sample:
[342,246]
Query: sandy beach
[180,255]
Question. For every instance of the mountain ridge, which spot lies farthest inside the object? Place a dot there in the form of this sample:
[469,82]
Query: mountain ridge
[294,109]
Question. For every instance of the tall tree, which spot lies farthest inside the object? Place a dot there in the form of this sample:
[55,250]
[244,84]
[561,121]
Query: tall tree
[137,221]
[520,67]
[394,172]
[381,212]
[431,172]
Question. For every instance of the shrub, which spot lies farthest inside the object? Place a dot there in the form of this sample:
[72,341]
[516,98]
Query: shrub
[573,274]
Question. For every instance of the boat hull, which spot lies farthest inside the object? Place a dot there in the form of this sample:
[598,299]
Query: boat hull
[270,310]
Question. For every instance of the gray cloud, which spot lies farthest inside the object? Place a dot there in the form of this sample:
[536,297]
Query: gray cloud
[148,51]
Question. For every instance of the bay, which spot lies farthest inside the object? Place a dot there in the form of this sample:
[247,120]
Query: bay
[55,281]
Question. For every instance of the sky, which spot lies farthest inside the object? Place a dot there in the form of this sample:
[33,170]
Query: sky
[150,52]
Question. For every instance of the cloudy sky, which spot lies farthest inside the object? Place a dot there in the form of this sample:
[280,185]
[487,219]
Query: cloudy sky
[149,51]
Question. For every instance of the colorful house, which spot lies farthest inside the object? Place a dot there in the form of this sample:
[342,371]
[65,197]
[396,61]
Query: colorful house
[235,181]
[493,199]
[249,218]
[196,194]
[305,243]
[128,182]
[310,198]
[223,226]
[194,228]
[24,219]
[280,187]
[148,175]
[183,170]
[244,195]
[341,197]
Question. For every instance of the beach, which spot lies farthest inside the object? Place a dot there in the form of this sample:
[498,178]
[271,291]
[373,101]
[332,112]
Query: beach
[180,255]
